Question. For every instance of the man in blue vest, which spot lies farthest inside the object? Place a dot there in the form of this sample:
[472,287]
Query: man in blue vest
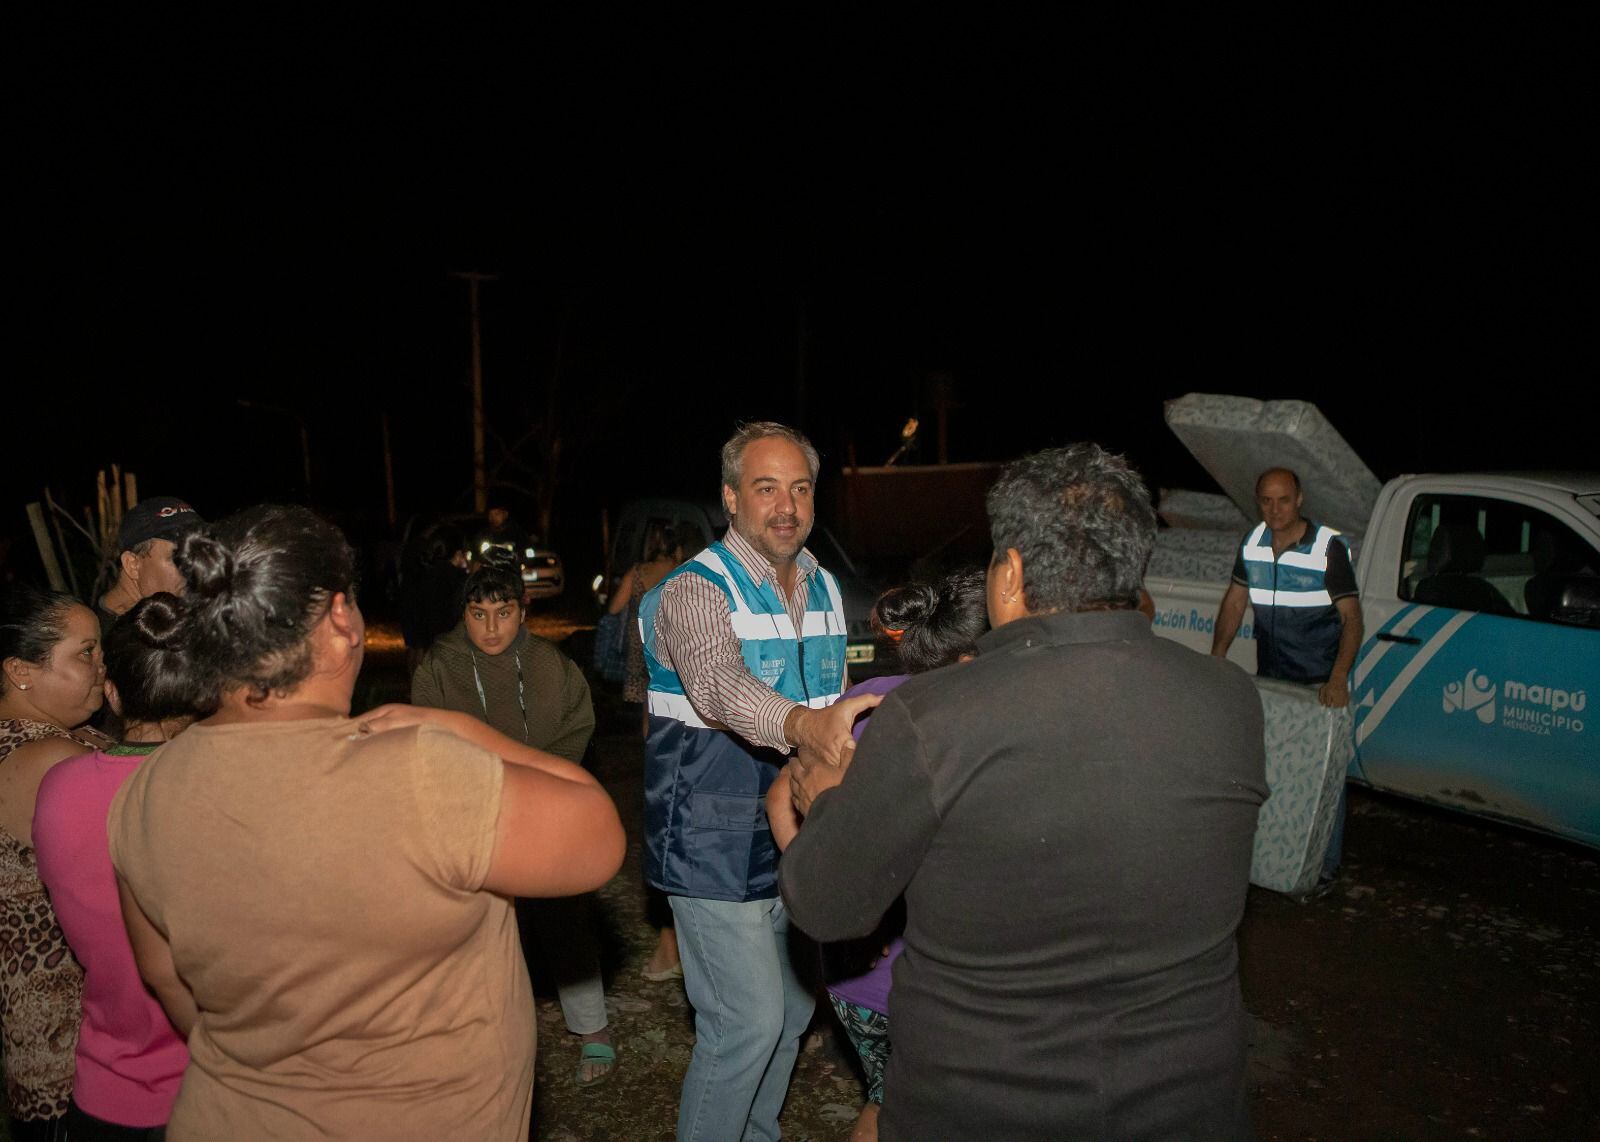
[1297,576]
[745,646]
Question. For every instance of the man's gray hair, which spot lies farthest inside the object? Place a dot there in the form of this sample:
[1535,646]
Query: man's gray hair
[747,434]
[1082,520]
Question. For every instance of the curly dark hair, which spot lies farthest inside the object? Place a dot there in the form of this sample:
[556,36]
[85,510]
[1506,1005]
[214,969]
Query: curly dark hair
[1082,520]
[259,581]
[938,622]
[145,661]
[492,583]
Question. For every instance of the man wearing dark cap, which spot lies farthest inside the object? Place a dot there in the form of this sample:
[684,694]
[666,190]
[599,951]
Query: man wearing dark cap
[149,534]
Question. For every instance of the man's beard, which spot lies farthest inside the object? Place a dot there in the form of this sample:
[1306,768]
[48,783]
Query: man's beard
[765,543]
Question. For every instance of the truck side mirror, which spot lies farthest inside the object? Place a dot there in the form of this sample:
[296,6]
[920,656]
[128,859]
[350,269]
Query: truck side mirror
[1579,601]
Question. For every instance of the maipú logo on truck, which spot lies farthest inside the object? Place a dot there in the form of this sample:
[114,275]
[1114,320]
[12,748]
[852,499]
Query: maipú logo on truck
[1475,692]
[1531,707]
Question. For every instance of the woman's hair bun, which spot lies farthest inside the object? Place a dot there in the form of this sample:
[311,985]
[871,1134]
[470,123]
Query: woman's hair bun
[145,659]
[206,564]
[904,607]
[158,619]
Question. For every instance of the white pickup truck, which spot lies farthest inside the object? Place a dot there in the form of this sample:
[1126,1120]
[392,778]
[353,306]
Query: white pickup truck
[1481,601]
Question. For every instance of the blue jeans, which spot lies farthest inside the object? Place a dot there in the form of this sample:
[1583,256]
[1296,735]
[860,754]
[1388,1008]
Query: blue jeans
[750,1009]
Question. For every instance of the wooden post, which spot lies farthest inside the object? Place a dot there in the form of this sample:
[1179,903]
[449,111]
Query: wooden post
[115,492]
[102,506]
[61,542]
[388,470]
[480,481]
[480,477]
[305,453]
[47,554]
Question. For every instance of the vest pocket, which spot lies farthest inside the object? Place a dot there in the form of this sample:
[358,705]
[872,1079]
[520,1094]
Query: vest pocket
[732,812]
[720,842]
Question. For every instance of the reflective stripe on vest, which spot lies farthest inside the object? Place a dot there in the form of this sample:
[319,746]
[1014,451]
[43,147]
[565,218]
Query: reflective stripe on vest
[1295,578]
[679,707]
[808,669]
[706,831]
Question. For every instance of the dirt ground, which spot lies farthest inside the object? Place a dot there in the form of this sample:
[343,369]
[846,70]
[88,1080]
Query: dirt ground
[1449,987]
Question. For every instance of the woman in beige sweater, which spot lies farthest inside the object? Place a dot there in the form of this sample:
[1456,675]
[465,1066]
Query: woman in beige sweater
[322,903]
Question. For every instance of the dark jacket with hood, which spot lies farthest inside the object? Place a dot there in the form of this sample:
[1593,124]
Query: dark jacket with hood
[560,715]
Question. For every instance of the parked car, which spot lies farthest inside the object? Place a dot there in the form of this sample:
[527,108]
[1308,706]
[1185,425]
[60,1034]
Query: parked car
[543,576]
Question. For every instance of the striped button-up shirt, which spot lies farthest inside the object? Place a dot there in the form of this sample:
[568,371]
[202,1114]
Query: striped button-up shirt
[692,626]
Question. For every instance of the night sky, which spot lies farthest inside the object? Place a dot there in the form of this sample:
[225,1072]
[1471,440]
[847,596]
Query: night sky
[689,236]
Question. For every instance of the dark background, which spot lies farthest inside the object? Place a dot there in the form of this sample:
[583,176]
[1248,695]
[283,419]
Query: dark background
[701,222]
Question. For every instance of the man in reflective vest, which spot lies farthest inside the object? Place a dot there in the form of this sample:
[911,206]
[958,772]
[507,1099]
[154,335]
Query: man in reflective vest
[1297,576]
[745,647]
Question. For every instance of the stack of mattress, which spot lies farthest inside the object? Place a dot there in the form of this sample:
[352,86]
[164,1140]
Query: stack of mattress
[1237,438]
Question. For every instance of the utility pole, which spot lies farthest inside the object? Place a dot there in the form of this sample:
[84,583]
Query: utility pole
[388,470]
[480,479]
[801,338]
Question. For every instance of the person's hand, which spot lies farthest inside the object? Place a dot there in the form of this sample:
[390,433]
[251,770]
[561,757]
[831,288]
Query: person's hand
[1335,692]
[398,715]
[810,776]
[825,734]
[782,817]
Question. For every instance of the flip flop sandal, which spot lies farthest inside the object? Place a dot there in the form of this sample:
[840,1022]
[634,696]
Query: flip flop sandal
[595,1053]
[674,972]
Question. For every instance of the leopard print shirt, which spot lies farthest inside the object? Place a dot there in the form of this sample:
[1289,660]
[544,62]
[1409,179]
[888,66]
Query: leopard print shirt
[41,985]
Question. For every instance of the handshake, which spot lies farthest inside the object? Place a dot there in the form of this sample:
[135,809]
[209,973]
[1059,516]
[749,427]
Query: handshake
[824,747]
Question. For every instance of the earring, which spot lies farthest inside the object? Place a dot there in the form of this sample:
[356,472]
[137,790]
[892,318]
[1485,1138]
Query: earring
[22,685]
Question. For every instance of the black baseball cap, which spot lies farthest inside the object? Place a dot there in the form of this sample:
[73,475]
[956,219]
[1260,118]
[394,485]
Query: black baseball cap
[159,517]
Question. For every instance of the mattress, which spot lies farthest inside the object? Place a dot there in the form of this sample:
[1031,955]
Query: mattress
[1237,438]
[1309,748]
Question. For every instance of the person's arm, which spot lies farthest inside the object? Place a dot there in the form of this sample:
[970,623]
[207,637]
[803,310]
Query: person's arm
[425,688]
[782,816]
[692,624]
[825,734]
[619,598]
[553,837]
[25,767]
[577,713]
[864,841]
[1229,617]
[1336,690]
[398,715]
[154,956]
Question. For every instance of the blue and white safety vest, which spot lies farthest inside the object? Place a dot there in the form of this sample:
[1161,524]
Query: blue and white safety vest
[706,831]
[1297,625]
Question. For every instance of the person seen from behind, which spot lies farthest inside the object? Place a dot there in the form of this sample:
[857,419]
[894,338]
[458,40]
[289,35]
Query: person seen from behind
[322,903]
[931,625]
[130,1059]
[1070,818]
